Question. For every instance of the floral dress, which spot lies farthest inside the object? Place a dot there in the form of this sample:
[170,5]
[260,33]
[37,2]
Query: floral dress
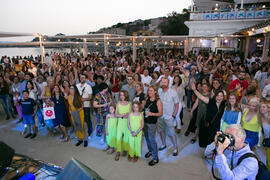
[101,113]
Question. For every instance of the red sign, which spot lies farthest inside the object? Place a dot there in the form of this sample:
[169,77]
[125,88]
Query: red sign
[49,113]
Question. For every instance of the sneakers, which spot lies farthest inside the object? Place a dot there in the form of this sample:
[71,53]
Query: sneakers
[178,131]
[79,143]
[162,148]
[101,142]
[193,140]
[28,135]
[187,133]
[20,120]
[148,154]
[175,152]
[33,136]
[153,162]
[85,143]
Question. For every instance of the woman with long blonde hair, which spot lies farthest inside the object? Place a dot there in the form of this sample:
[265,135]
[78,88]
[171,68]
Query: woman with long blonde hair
[264,117]
[250,122]
[152,110]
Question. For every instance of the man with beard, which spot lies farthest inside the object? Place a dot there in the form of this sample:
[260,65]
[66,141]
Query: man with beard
[170,101]
[129,87]
[239,85]
[86,92]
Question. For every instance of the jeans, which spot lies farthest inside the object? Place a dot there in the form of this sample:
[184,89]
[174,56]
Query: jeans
[87,119]
[40,113]
[6,103]
[150,136]
[189,94]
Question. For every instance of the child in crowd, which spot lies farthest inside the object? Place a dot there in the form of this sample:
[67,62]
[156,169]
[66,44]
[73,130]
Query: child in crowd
[111,130]
[28,108]
[135,126]
[122,111]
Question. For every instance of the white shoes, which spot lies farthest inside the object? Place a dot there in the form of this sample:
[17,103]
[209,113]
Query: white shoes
[102,141]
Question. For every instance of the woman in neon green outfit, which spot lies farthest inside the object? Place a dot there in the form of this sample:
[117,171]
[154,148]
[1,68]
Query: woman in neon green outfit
[122,111]
[135,126]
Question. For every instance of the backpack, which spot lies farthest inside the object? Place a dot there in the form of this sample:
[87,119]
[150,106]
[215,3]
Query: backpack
[263,172]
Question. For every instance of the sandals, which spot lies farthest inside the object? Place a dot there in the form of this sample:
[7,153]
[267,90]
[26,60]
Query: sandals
[129,158]
[135,159]
[117,157]
[106,149]
[192,141]
[110,151]
[66,139]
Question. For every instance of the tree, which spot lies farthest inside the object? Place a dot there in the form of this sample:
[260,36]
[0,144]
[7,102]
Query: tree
[174,24]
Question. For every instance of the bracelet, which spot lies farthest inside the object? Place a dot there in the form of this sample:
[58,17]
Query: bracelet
[174,116]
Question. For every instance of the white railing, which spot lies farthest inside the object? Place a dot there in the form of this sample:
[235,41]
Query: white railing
[231,15]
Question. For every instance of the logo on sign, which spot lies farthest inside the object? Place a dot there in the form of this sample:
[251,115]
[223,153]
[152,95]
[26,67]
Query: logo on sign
[49,113]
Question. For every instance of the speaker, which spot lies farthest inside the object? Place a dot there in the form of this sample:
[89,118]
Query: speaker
[77,170]
[6,155]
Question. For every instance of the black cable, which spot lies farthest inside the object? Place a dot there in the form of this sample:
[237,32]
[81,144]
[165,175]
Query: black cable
[213,162]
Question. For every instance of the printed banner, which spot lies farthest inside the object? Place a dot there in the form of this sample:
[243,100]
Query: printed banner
[267,13]
[231,15]
[250,14]
[260,14]
[215,16]
[207,16]
[241,15]
[223,15]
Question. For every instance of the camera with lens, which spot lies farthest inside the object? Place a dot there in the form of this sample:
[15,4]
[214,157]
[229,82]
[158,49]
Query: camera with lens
[221,138]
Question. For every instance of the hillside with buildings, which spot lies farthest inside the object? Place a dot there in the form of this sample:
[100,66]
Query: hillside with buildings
[173,24]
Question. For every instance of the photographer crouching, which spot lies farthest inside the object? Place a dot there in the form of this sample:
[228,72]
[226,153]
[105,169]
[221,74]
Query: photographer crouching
[226,150]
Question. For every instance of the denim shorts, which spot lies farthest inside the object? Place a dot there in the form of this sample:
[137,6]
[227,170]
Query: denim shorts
[28,119]
[166,125]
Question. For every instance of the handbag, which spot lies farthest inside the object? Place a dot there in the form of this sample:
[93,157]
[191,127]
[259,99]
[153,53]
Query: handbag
[48,112]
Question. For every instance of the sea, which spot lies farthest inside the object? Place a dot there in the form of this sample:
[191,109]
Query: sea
[28,51]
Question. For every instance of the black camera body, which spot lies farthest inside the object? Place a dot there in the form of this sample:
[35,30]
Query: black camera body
[221,138]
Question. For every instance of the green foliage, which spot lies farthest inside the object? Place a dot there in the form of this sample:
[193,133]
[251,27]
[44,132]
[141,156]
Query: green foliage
[174,25]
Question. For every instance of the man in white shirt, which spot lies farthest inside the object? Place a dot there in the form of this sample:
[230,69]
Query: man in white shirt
[170,102]
[146,80]
[86,92]
[266,92]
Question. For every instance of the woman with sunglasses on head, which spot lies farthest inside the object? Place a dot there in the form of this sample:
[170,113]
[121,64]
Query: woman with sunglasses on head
[250,122]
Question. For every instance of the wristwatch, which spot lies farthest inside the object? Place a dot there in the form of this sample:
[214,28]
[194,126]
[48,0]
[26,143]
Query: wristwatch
[173,116]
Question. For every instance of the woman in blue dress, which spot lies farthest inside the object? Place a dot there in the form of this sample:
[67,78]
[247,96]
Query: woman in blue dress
[60,112]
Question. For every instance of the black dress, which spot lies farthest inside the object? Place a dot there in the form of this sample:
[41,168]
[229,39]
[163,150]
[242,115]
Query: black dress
[211,123]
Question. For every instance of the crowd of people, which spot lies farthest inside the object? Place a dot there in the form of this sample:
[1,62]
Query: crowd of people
[130,100]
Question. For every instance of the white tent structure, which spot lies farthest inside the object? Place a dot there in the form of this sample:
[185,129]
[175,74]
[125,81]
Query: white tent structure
[96,38]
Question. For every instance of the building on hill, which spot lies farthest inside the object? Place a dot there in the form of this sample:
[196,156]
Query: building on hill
[120,31]
[214,24]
